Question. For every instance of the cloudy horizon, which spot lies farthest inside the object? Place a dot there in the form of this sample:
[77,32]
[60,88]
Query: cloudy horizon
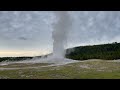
[29,33]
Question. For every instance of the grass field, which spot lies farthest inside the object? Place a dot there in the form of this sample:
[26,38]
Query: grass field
[90,69]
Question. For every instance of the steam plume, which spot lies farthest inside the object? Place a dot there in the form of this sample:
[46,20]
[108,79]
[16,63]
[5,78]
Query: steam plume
[60,32]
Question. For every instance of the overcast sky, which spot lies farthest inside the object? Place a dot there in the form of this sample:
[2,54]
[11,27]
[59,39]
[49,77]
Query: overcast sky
[29,33]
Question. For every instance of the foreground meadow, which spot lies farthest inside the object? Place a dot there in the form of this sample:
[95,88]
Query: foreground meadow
[90,69]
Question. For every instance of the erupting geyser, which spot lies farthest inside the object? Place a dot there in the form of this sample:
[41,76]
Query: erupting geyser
[60,32]
[59,35]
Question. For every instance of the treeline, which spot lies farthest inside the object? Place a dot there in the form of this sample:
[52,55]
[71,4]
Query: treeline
[14,58]
[103,51]
[18,58]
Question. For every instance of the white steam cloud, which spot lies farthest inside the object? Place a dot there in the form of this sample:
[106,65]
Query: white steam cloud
[60,33]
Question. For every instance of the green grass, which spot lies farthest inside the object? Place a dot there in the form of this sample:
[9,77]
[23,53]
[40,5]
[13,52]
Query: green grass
[100,69]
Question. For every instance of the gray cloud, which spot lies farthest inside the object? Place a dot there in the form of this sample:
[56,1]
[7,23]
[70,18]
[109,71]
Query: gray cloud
[95,27]
[22,38]
[33,29]
[28,26]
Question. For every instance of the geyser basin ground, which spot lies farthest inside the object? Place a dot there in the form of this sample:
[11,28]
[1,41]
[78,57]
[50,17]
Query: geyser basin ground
[91,69]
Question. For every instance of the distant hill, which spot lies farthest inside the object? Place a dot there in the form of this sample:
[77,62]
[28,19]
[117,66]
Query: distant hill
[103,51]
